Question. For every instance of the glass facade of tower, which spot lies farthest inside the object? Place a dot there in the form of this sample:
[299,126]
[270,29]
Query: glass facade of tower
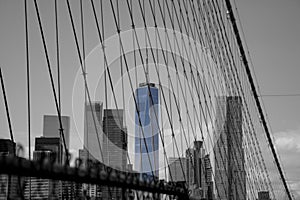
[147,130]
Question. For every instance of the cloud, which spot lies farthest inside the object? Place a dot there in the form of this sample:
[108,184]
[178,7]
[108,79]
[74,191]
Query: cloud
[288,148]
[288,140]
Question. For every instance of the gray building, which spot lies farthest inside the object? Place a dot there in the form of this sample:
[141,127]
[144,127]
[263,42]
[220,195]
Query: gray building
[195,170]
[114,139]
[51,127]
[230,176]
[114,147]
[93,134]
[177,169]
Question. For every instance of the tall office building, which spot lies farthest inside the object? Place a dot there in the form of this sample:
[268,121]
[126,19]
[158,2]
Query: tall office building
[93,146]
[177,169]
[10,186]
[93,134]
[147,130]
[114,147]
[208,188]
[230,176]
[114,139]
[51,127]
[195,170]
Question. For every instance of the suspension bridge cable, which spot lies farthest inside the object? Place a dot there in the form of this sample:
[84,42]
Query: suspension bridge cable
[57,53]
[171,50]
[84,77]
[205,6]
[27,79]
[51,80]
[28,87]
[6,106]
[135,101]
[187,18]
[236,31]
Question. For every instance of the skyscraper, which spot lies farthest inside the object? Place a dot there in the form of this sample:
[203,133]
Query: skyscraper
[114,147]
[147,129]
[93,144]
[177,169]
[114,139]
[195,170]
[51,127]
[93,134]
[230,176]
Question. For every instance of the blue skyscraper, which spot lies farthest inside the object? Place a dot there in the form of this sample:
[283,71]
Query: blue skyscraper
[147,129]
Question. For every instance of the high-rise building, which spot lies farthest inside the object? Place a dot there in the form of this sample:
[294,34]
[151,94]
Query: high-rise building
[10,186]
[93,146]
[147,129]
[93,134]
[230,176]
[195,170]
[177,169]
[51,127]
[114,139]
[114,147]
[208,188]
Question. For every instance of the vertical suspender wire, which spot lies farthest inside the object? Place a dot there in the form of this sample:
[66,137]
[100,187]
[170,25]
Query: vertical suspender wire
[175,65]
[58,64]
[136,105]
[84,74]
[170,101]
[105,78]
[51,79]
[130,12]
[254,91]
[158,73]
[105,75]
[124,128]
[81,67]
[28,88]
[27,78]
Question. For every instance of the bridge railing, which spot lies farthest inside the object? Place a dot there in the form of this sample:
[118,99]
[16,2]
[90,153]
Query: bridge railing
[21,178]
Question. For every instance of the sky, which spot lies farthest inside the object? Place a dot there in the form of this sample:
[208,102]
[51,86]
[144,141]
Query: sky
[271,29]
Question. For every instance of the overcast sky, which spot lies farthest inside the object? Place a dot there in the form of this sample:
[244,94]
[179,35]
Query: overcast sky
[272,31]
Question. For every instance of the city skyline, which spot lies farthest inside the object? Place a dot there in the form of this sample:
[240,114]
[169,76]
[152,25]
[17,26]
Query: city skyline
[269,32]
